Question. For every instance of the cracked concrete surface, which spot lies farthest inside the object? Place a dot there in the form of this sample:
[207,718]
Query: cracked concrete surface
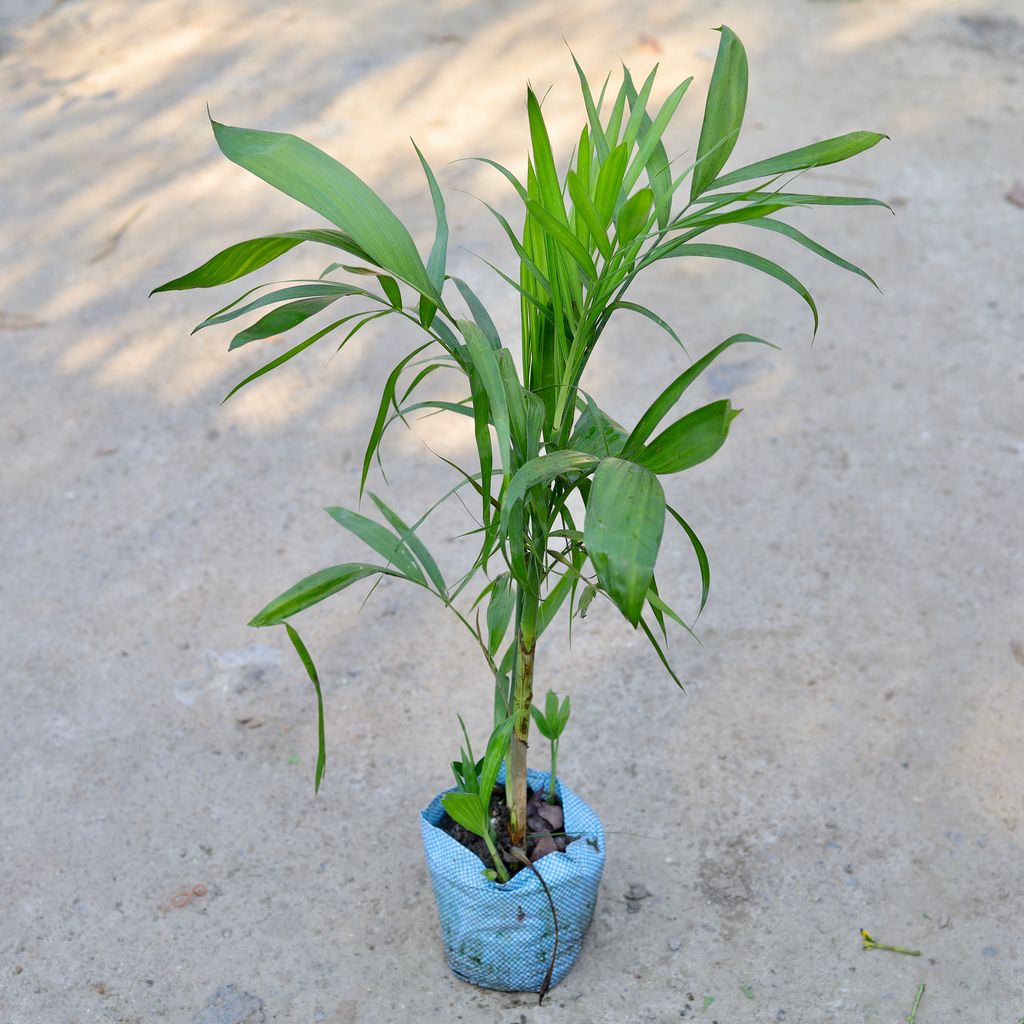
[848,752]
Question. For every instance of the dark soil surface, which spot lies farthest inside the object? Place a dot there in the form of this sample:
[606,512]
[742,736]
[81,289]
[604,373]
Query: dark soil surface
[544,830]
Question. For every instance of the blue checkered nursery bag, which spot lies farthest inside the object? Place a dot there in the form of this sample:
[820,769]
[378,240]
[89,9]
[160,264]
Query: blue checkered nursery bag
[500,936]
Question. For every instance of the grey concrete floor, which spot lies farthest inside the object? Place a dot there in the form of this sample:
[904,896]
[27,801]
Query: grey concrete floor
[848,753]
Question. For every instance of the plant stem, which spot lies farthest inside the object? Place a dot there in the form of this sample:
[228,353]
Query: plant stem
[499,864]
[554,771]
[912,1019]
[522,697]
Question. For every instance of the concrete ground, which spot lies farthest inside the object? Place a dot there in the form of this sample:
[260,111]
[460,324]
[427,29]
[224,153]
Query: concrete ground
[848,753]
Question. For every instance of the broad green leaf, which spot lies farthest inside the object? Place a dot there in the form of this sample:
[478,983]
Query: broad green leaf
[818,154]
[328,187]
[633,215]
[282,319]
[748,259]
[380,539]
[702,557]
[315,588]
[723,111]
[596,433]
[541,722]
[244,257]
[689,441]
[660,407]
[307,661]
[540,471]
[623,527]
[466,810]
[782,228]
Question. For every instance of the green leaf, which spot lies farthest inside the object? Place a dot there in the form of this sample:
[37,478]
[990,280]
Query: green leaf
[541,722]
[748,259]
[415,545]
[648,154]
[661,654]
[540,470]
[596,433]
[326,186]
[307,661]
[609,182]
[589,593]
[310,290]
[479,312]
[818,154]
[486,366]
[564,237]
[782,228]
[499,611]
[633,216]
[466,810]
[702,557]
[723,111]
[544,162]
[282,319]
[290,354]
[244,257]
[650,315]
[380,539]
[584,206]
[497,746]
[623,527]
[314,589]
[791,199]
[438,258]
[660,407]
[689,441]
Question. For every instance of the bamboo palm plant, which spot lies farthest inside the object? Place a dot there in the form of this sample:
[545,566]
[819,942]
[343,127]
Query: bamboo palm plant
[586,235]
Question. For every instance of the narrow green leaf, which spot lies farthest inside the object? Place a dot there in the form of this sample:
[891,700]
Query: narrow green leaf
[661,654]
[609,183]
[584,206]
[792,199]
[702,557]
[282,319]
[660,407]
[564,237]
[497,746]
[499,611]
[415,545]
[723,111]
[315,588]
[782,228]
[818,154]
[650,141]
[623,527]
[634,215]
[244,257]
[689,441]
[380,539]
[309,290]
[486,365]
[438,258]
[544,162]
[650,315]
[479,312]
[748,259]
[307,661]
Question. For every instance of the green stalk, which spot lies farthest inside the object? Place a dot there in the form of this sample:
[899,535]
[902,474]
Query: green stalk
[522,698]
[554,771]
[499,864]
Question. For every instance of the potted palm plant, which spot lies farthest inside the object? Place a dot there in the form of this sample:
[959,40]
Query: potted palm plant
[571,506]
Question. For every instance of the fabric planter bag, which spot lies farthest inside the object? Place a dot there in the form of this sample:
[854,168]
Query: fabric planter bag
[501,936]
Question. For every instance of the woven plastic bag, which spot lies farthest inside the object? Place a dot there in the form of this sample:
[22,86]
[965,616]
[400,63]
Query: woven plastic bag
[500,936]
